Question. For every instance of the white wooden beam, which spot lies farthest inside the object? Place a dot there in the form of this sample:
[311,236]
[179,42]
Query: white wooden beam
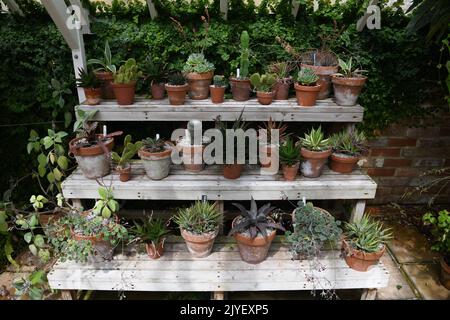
[224,9]
[358,210]
[83,16]
[13,7]
[152,9]
[295,5]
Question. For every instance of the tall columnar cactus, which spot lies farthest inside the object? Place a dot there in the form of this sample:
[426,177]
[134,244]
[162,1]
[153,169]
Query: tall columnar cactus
[245,53]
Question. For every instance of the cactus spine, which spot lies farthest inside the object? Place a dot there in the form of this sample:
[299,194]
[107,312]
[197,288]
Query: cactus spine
[245,53]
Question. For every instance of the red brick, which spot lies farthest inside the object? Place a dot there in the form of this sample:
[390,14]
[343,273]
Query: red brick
[397,162]
[406,172]
[381,172]
[386,152]
[422,132]
[395,130]
[402,142]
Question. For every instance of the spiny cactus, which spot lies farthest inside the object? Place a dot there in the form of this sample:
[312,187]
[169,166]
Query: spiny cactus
[263,82]
[219,81]
[245,54]
[129,150]
[307,77]
[128,72]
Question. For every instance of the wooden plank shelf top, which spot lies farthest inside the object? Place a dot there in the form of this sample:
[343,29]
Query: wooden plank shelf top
[223,270]
[205,110]
[184,185]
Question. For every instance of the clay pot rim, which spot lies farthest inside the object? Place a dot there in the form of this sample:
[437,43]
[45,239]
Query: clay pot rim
[104,73]
[347,159]
[92,150]
[181,87]
[123,170]
[265,94]
[239,80]
[362,255]
[199,238]
[199,75]
[254,242]
[124,85]
[144,153]
[349,81]
[299,87]
[306,153]
[297,164]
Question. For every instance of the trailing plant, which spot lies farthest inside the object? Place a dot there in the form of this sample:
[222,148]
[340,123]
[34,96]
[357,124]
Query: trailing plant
[263,83]
[351,143]
[307,77]
[244,62]
[200,218]
[154,145]
[315,140]
[128,72]
[440,230]
[105,64]
[289,152]
[176,79]
[154,70]
[197,63]
[128,152]
[150,230]
[348,70]
[87,79]
[367,234]
[219,81]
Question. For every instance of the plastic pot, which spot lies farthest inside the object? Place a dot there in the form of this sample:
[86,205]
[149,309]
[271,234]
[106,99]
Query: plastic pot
[106,79]
[314,162]
[199,245]
[156,164]
[217,94]
[93,95]
[124,93]
[347,90]
[177,94]
[324,73]
[342,163]
[306,95]
[157,90]
[359,260]
[199,84]
[265,98]
[290,172]
[240,88]
[232,171]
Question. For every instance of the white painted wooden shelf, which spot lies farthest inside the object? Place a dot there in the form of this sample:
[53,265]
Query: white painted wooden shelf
[287,110]
[223,270]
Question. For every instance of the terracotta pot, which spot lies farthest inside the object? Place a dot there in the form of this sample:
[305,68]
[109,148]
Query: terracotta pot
[290,172]
[359,260]
[217,94]
[343,164]
[445,274]
[324,73]
[314,162]
[106,79]
[199,84]
[156,164]
[155,252]
[124,93]
[306,95]
[177,94]
[282,89]
[232,171]
[124,173]
[240,88]
[93,95]
[347,90]
[201,245]
[190,155]
[265,154]
[253,250]
[265,98]
[157,90]
[45,219]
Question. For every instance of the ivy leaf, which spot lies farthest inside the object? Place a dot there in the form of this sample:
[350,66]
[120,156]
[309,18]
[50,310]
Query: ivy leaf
[41,170]
[28,236]
[39,241]
[63,162]
[51,177]
[48,142]
[29,147]
[103,193]
[106,213]
[33,221]
[42,159]
[57,174]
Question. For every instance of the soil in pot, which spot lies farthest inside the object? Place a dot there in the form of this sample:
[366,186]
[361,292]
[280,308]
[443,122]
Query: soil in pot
[324,73]
[359,260]
[106,80]
[124,93]
[199,246]
[290,172]
[282,89]
[306,95]
[157,90]
[232,171]
[93,95]
[124,172]
[253,250]
[314,162]
[177,94]
[156,164]
[347,90]
[155,251]
[343,163]
[217,94]
[199,84]
[193,154]
[240,88]
[264,98]
[445,272]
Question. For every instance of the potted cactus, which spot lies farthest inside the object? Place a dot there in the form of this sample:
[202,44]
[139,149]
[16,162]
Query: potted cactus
[315,151]
[91,86]
[240,85]
[199,226]
[156,157]
[348,147]
[263,85]
[198,72]
[217,89]
[306,87]
[124,84]
[254,231]
[284,80]
[348,83]
[290,159]
[155,72]
[176,88]
[123,160]
[105,72]
[153,233]
[267,147]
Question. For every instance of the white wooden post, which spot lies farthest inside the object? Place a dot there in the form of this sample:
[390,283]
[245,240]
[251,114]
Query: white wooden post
[13,7]
[358,210]
[224,9]
[152,9]
[295,5]
[84,16]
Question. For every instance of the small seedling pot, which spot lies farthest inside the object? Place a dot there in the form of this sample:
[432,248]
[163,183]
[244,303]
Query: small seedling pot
[347,90]
[199,245]
[106,79]
[306,95]
[324,73]
[265,98]
[342,163]
[290,172]
[177,94]
[124,173]
[240,88]
[155,251]
[314,162]
[124,93]
[359,260]
[232,171]
[156,164]
[157,90]
[217,94]
[93,95]
[199,84]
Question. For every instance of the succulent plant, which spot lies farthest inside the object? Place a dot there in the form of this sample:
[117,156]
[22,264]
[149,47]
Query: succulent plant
[106,64]
[348,70]
[154,145]
[367,234]
[154,70]
[272,125]
[289,152]
[315,140]
[87,79]
[280,69]
[176,79]
[263,83]
[307,77]
[128,72]
[245,54]
[197,63]
[219,81]
[351,143]
[150,230]
[128,152]
[201,217]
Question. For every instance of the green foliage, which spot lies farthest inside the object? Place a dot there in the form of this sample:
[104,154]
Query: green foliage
[106,64]
[87,79]
[219,81]
[315,140]
[245,54]
[150,230]
[176,79]
[33,286]
[154,145]
[128,152]
[351,143]
[281,69]
[128,72]
[200,218]
[106,206]
[154,69]
[367,234]
[263,83]
[289,152]
[83,117]
[440,229]
[348,69]
[307,77]
[197,63]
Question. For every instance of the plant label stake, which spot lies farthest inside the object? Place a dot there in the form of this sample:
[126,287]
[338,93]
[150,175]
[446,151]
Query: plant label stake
[238,73]
[304,200]
[104,131]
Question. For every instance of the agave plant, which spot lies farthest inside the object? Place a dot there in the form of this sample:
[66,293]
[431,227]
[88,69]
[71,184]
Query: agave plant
[289,152]
[176,79]
[255,220]
[315,140]
[197,63]
[349,143]
[105,64]
[200,218]
[367,234]
[281,70]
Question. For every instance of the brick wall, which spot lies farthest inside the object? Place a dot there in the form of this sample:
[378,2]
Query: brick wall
[400,154]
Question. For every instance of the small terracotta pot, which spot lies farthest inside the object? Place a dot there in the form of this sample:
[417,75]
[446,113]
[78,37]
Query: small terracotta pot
[190,154]
[265,98]
[155,252]
[306,95]
[93,95]
[343,164]
[201,245]
[359,260]
[124,173]
[324,73]
[314,162]
[290,172]
[347,90]
[157,90]
[106,79]
[445,274]
[253,250]
[282,89]
[217,94]
[265,154]
[199,84]
[232,171]
[124,93]
[240,88]
[177,94]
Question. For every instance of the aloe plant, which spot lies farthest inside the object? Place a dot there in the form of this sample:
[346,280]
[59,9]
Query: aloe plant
[367,234]
[176,79]
[129,150]
[150,230]
[106,64]
[349,143]
[289,152]
[348,70]
[87,79]
[315,140]
[200,218]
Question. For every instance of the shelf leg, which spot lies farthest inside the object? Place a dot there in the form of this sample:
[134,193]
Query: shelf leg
[77,203]
[358,210]
[369,294]
[68,294]
[221,206]
[218,295]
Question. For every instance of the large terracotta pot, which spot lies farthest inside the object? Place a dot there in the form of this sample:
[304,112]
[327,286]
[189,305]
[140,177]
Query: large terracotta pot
[359,260]
[232,171]
[92,161]
[445,273]
[253,250]
[314,162]
[106,79]
[306,95]
[155,251]
[199,84]
[177,94]
[347,90]
[124,173]
[240,88]
[265,98]
[324,73]
[290,172]
[201,245]
[343,164]
[217,94]
[281,89]
[156,164]
[93,95]
[157,90]
[124,93]
[190,154]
